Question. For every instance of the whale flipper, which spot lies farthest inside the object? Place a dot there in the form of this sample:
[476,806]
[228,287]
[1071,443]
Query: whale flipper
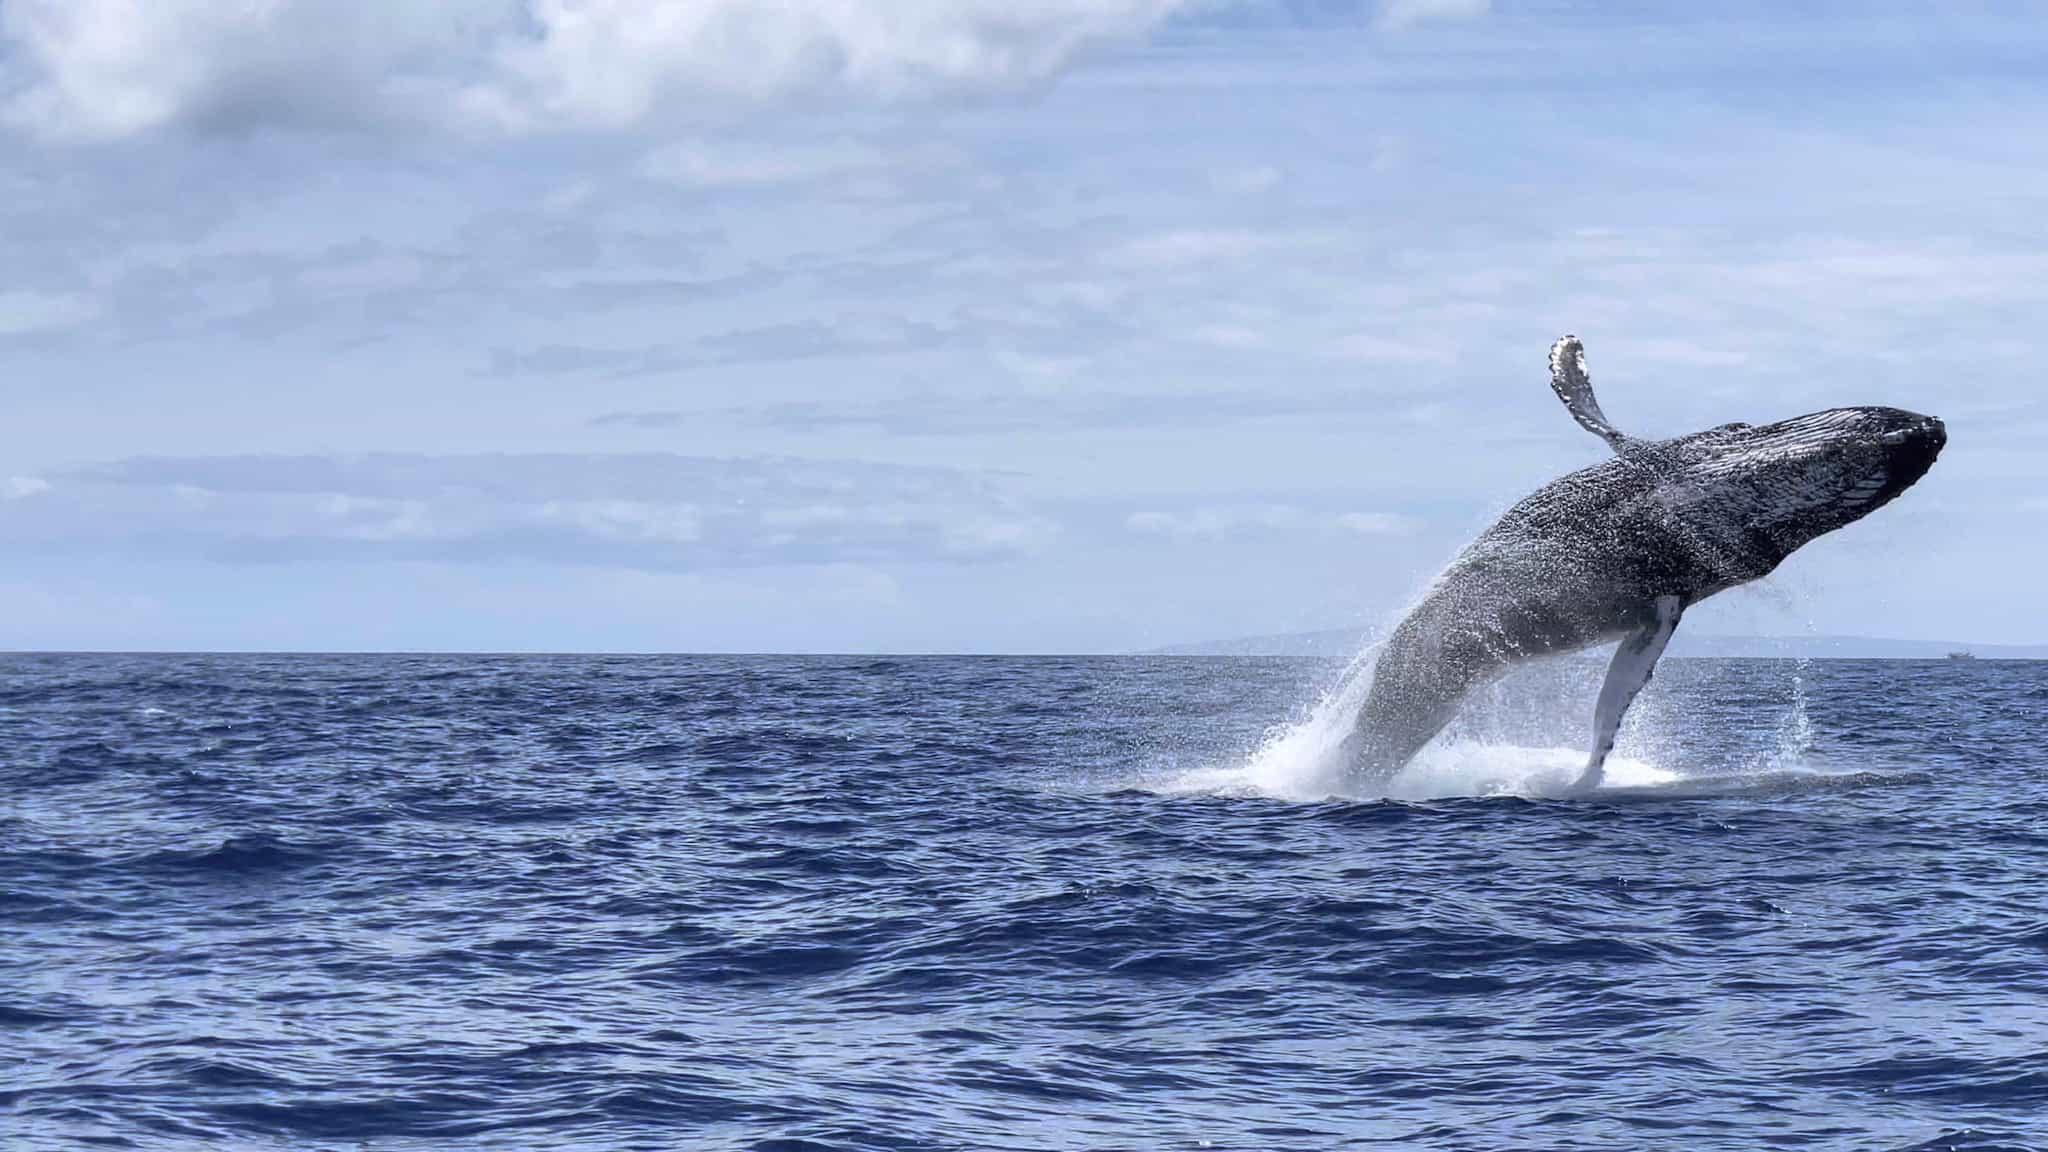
[1568,379]
[1633,663]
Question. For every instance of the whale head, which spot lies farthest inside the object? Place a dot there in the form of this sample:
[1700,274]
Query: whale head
[1796,480]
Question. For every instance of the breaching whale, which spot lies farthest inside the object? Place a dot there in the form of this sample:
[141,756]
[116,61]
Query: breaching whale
[1621,549]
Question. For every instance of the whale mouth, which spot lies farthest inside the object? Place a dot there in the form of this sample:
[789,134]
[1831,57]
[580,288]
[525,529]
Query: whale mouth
[1909,451]
[1867,489]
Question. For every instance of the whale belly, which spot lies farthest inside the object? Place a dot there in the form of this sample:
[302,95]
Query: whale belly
[1479,620]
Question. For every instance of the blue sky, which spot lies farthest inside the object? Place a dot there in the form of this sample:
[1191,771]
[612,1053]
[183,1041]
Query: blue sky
[974,325]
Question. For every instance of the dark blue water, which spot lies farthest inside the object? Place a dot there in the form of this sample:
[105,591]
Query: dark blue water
[783,903]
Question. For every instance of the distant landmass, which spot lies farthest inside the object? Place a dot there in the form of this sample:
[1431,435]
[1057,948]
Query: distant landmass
[1342,643]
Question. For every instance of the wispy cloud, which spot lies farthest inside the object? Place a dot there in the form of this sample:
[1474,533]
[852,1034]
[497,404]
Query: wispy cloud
[636,511]
[940,413]
[805,340]
[1377,523]
[1198,247]
[26,312]
[1214,523]
[1218,522]
[711,165]
[617,62]
[1403,13]
[1300,256]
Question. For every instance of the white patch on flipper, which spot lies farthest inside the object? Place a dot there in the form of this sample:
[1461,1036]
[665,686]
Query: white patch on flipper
[1634,661]
[1569,380]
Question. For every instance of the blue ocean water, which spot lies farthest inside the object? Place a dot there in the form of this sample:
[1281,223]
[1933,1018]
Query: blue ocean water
[390,902]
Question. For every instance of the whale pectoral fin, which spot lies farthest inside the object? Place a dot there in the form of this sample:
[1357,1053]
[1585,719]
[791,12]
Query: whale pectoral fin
[1633,663]
[1569,380]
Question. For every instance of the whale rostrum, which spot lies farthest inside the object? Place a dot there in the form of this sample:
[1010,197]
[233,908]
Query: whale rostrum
[1619,550]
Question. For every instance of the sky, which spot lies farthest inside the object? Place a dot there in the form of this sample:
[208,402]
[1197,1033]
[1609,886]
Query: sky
[975,325]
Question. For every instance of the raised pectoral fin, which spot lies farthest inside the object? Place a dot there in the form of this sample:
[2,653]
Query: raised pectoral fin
[1633,663]
[1569,380]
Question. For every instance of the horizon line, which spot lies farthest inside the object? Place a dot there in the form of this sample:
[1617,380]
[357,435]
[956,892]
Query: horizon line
[1153,653]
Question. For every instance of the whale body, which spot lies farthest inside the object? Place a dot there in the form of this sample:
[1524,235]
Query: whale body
[1619,551]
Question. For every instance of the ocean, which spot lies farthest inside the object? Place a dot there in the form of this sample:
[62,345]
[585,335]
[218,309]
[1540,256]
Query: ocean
[784,903]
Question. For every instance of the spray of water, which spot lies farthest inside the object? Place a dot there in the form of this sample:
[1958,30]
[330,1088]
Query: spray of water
[1522,737]
[1526,736]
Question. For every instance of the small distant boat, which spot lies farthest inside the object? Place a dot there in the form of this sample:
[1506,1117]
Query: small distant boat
[1964,654]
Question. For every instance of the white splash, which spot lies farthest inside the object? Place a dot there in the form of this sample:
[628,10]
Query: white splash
[1300,765]
[1307,761]
[1518,737]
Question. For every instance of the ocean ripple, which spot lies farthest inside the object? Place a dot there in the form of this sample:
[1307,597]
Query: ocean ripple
[416,902]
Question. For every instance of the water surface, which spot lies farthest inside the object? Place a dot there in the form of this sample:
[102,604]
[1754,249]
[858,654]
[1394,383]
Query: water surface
[389,902]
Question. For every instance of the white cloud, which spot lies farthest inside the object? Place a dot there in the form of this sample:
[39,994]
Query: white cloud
[1237,336]
[116,67]
[652,511]
[1376,524]
[1220,521]
[25,312]
[1213,523]
[22,487]
[1411,348]
[1249,181]
[628,519]
[999,536]
[612,62]
[1194,247]
[358,518]
[1402,13]
[701,165]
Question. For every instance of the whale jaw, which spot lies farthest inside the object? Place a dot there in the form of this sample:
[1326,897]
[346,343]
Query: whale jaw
[1799,479]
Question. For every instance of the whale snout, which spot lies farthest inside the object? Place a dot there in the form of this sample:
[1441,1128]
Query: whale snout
[1926,432]
[1911,443]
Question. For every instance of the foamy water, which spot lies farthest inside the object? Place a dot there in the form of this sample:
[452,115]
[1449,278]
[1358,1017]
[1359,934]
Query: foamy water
[1306,760]
[1441,771]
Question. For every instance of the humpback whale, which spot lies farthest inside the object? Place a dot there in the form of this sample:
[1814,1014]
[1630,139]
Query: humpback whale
[1619,551]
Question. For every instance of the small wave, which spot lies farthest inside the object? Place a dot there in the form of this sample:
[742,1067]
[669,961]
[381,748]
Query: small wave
[18,1015]
[254,854]
[213,1072]
[1972,1140]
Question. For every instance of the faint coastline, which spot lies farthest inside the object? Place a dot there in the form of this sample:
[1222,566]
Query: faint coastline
[1341,643]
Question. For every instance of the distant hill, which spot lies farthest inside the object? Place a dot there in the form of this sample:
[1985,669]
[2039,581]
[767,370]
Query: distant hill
[1342,643]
